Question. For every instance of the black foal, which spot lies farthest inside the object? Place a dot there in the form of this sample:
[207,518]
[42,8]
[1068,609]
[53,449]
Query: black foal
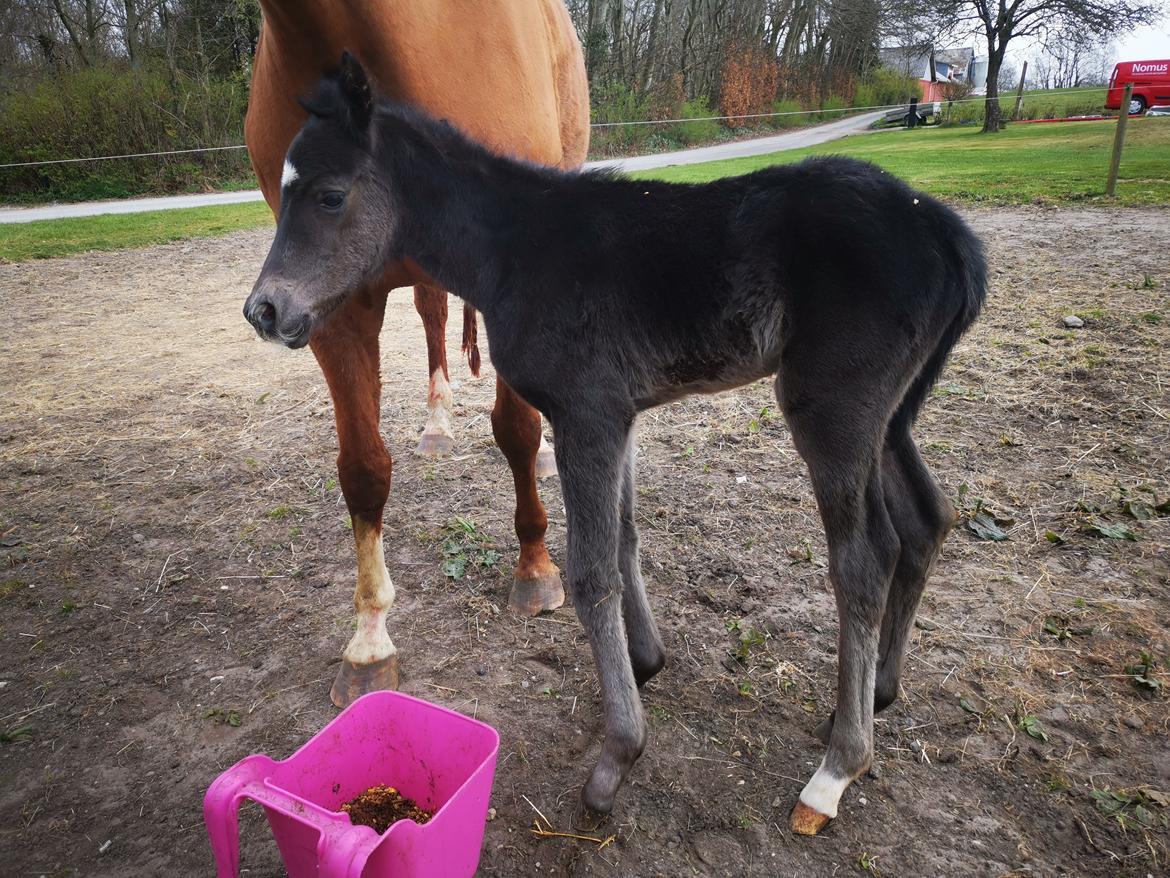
[604,296]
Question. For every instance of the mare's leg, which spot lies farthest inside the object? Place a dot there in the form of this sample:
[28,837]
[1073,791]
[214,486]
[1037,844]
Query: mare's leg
[347,351]
[437,438]
[841,443]
[922,516]
[537,582]
[590,456]
[647,654]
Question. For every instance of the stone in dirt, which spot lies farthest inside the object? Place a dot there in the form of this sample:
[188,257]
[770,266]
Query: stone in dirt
[1073,322]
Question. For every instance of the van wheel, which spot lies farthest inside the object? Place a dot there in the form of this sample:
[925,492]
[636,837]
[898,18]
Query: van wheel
[1137,106]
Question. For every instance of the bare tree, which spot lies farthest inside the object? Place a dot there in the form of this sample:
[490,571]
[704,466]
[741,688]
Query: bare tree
[1070,58]
[999,22]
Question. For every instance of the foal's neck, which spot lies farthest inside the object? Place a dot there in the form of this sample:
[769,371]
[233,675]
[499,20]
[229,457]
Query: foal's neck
[465,211]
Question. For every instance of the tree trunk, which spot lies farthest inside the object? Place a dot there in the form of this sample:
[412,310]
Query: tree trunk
[647,68]
[992,114]
[130,31]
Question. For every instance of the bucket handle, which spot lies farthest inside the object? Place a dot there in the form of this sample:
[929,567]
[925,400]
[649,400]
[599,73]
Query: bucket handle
[342,848]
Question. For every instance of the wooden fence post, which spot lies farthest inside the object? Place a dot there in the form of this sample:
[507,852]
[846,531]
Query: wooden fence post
[1020,93]
[1119,141]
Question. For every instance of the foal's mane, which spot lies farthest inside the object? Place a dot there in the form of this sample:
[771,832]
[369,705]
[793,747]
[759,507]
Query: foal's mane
[365,116]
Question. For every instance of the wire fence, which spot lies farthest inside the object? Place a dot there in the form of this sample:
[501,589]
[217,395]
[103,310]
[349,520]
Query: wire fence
[841,110]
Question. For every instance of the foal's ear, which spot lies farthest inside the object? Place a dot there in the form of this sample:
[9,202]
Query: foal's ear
[355,87]
[344,96]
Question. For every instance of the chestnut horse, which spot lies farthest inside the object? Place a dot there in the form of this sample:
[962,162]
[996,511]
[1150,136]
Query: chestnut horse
[511,74]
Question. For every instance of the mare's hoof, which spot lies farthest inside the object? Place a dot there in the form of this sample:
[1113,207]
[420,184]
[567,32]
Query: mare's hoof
[530,597]
[806,821]
[354,681]
[546,463]
[434,445]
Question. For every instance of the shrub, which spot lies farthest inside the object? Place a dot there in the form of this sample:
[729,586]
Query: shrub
[747,86]
[696,132]
[788,121]
[831,109]
[617,103]
[883,87]
[112,111]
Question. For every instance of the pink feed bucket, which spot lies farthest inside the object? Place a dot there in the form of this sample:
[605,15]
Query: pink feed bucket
[443,760]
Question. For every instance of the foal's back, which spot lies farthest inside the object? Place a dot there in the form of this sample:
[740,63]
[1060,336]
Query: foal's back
[696,288]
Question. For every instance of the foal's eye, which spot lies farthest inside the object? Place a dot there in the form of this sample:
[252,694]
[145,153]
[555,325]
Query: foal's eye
[332,200]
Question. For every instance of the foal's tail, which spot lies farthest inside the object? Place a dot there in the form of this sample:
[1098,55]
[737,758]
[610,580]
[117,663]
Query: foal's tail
[966,281]
[470,347]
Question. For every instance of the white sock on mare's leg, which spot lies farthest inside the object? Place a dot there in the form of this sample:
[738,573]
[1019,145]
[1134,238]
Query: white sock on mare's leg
[372,598]
[439,404]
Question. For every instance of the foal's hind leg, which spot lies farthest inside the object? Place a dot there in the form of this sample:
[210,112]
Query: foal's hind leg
[647,654]
[922,516]
[590,456]
[841,445]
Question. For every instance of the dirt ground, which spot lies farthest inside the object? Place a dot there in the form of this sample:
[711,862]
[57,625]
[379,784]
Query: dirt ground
[176,575]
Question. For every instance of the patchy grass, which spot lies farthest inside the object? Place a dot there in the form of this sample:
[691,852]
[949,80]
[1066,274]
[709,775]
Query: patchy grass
[47,239]
[1049,163]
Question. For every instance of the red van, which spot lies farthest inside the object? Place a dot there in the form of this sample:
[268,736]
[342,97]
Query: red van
[1151,85]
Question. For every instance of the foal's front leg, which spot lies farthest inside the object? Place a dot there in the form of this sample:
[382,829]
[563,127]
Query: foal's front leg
[590,458]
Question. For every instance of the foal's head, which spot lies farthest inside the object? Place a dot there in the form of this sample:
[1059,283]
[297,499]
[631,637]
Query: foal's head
[336,227]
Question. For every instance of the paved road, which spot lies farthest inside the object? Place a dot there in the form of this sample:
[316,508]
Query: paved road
[739,149]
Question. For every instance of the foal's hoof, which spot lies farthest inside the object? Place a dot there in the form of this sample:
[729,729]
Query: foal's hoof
[530,597]
[354,681]
[824,729]
[546,462]
[806,821]
[645,669]
[586,819]
[434,445]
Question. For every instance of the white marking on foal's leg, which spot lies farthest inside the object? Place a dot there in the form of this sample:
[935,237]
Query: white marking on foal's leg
[373,598]
[288,174]
[823,792]
[439,403]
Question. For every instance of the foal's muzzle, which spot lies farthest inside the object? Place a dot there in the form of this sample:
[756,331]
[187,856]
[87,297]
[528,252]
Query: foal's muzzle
[277,317]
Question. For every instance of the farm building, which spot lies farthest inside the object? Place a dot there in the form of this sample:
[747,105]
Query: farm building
[936,69]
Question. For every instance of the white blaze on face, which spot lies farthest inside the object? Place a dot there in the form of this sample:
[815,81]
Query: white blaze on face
[823,792]
[288,175]
[372,598]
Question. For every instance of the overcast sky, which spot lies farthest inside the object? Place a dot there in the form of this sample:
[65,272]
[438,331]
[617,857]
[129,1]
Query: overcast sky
[1146,44]
[1142,44]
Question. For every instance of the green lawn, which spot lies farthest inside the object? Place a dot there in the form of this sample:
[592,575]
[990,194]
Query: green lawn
[1048,162]
[48,238]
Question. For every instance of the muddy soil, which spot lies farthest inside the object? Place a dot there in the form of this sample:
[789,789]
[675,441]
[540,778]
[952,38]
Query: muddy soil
[176,578]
